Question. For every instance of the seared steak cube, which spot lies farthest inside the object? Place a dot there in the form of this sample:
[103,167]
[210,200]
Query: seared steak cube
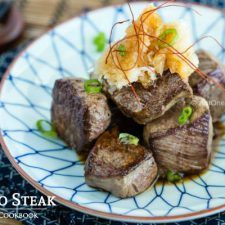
[213,93]
[182,148]
[124,170]
[79,117]
[123,123]
[155,100]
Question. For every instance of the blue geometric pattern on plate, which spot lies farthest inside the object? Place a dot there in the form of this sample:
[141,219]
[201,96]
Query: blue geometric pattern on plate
[68,51]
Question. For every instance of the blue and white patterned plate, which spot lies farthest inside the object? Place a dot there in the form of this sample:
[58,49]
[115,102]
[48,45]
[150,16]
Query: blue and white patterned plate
[56,170]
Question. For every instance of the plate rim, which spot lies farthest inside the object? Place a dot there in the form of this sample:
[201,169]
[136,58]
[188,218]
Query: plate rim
[76,206]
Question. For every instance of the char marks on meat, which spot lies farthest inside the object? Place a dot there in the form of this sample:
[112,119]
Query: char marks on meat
[78,117]
[124,170]
[187,148]
[214,94]
[155,100]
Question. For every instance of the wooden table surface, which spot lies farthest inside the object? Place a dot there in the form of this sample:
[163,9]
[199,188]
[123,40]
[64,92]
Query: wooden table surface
[9,222]
[40,15]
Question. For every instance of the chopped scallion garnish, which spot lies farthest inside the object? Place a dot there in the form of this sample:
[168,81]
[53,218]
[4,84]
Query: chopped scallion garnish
[173,177]
[46,128]
[187,111]
[128,139]
[122,50]
[169,36]
[182,119]
[92,86]
[185,115]
[100,42]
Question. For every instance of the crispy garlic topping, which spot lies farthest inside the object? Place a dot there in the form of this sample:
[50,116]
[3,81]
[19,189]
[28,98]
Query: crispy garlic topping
[149,47]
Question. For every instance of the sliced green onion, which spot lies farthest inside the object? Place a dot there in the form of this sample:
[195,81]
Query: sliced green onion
[169,33]
[122,50]
[182,119]
[173,177]
[188,111]
[100,42]
[92,86]
[46,128]
[128,139]
[185,115]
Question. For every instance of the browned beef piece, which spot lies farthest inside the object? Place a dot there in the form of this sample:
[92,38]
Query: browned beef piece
[187,148]
[214,94]
[123,123]
[155,100]
[79,117]
[124,170]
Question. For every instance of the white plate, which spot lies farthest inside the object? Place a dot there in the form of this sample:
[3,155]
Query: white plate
[56,170]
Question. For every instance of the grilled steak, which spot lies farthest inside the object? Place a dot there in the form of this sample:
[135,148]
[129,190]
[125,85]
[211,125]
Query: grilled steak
[214,94]
[187,148]
[79,117]
[124,170]
[155,100]
[123,123]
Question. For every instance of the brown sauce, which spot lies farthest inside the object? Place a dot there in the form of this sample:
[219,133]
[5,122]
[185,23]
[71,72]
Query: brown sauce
[185,179]
[82,157]
[219,132]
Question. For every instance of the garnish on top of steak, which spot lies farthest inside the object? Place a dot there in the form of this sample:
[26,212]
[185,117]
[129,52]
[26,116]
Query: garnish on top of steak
[80,112]
[209,90]
[118,164]
[155,99]
[181,139]
[149,49]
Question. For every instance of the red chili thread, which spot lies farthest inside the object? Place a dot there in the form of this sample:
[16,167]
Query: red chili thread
[138,40]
